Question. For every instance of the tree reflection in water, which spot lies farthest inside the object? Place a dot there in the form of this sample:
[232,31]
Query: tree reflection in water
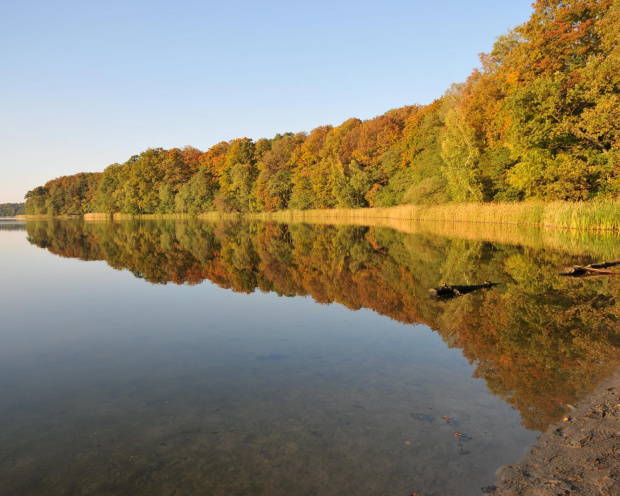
[539,341]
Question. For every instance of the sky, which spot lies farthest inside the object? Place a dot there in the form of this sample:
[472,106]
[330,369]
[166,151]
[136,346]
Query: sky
[86,84]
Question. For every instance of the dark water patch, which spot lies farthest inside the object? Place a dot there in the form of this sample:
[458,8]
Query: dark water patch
[422,417]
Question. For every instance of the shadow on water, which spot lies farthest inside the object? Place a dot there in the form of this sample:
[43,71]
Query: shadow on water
[539,341]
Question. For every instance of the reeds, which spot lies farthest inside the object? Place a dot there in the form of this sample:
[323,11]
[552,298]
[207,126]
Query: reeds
[599,215]
[594,215]
[121,216]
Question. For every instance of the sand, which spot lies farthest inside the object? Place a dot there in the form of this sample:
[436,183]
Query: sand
[579,455]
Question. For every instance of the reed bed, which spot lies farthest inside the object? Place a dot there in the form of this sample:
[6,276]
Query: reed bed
[596,215]
[120,216]
[602,215]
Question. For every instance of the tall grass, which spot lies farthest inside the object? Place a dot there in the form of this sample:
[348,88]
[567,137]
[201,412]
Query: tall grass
[602,215]
[120,216]
[595,215]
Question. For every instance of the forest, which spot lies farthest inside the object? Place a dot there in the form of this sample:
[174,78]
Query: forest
[11,209]
[539,119]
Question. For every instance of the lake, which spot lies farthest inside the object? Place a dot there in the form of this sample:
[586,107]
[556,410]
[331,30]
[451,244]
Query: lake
[249,358]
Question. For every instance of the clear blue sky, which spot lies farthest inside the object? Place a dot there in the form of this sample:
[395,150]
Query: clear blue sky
[85,84]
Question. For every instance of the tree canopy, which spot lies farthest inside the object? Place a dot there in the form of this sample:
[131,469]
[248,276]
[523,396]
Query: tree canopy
[539,119]
[11,209]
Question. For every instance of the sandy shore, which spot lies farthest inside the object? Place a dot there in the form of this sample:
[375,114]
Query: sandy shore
[577,456]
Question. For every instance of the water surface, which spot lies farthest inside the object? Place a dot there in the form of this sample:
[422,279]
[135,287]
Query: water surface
[263,359]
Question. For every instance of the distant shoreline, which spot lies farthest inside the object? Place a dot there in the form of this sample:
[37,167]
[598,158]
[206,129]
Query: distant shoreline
[598,216]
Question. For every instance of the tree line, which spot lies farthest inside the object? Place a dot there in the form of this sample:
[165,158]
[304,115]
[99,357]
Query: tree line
[539,119]
[11,209]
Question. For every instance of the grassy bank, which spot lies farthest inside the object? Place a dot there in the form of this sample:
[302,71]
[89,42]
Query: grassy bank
[119,216]
[592,215]
[51,217]
[601,216]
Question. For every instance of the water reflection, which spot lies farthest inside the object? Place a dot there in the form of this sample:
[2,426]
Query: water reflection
[12,225]
[158,388]
[540,341]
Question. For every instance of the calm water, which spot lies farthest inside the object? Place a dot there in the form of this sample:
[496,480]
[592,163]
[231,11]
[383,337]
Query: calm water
[262,359]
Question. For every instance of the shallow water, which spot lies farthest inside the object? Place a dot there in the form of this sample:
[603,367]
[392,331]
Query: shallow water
[263,359]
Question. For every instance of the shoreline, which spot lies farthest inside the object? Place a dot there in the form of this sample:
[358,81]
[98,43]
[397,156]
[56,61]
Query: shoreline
[581,216]
[595,216]
[579,455]
[600,244]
